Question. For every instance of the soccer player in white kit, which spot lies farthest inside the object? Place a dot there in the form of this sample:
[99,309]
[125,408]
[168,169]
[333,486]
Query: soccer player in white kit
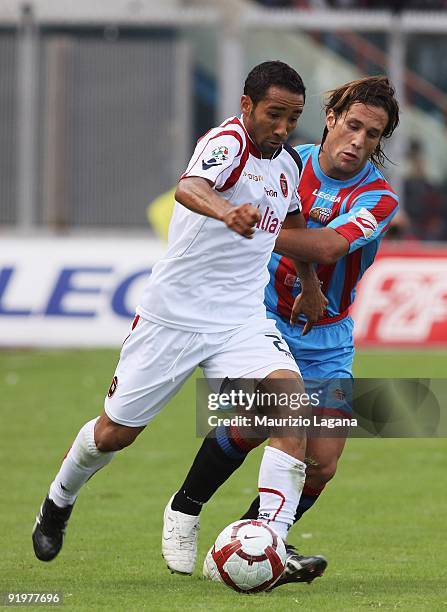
[203,306]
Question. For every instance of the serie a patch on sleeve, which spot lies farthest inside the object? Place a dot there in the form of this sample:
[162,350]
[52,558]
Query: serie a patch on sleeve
[218,156]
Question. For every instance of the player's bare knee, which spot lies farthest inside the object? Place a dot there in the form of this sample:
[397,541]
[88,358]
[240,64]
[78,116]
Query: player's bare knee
[320,474]
[127,435]
[105,441]
[281,382]
[114,439]
[110,436]
[294,446]
[280,394]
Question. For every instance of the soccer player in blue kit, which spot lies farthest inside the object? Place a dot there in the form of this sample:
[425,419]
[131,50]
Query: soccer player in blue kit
[348,206]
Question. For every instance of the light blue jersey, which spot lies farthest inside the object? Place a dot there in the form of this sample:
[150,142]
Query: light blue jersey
[360,209]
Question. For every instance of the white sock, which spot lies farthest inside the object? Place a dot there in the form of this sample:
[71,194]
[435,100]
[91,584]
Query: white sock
[82,461]
[281,481]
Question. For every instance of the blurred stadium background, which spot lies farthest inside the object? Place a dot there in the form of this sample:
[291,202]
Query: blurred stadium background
[101,102]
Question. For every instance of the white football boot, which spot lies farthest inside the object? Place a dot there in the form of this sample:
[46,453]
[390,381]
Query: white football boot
[179,540]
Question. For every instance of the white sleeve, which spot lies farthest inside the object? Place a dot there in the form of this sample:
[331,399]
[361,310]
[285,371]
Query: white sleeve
[215,156]
[295,202]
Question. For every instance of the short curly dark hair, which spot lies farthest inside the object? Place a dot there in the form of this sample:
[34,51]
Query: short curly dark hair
[374,91]
[273,73]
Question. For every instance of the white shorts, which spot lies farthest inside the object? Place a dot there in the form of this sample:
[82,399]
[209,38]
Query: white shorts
[156,360]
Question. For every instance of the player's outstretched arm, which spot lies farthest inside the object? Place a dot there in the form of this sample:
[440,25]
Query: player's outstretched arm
[198,195]
[323,245]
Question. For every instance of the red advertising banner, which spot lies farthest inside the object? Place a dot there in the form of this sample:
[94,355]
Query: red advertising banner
[402,299]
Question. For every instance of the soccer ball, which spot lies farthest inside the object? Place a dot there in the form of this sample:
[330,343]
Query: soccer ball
[248,556]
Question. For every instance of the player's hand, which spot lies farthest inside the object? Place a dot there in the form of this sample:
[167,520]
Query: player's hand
[311,303]
[242,219]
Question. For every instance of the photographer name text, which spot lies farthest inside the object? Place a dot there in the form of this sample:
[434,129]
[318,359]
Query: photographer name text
[289,421]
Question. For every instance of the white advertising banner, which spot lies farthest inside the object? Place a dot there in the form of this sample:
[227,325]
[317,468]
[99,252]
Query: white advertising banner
[72,292]
[82,292]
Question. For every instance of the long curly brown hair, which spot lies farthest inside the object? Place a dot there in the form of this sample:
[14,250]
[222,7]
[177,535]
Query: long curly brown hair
[374,91]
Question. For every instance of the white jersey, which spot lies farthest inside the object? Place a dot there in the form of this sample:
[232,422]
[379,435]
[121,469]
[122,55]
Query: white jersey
[212,279]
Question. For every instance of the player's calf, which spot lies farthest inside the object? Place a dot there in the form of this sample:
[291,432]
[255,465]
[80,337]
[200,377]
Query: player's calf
[81,462]
[281,481]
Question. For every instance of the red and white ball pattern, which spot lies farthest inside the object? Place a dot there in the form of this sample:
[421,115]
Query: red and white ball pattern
[248,556]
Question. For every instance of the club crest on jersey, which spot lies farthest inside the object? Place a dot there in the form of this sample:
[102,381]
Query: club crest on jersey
[321,215]
[283,183]
[365,220]
[218,156]
[113,386]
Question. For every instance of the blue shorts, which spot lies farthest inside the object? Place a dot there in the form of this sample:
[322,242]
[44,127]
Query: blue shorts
[325,353]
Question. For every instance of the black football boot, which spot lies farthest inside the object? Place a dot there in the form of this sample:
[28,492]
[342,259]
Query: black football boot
[299,568]
[49,529]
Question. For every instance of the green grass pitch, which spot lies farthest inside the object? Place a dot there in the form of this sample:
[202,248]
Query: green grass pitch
[381,522]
